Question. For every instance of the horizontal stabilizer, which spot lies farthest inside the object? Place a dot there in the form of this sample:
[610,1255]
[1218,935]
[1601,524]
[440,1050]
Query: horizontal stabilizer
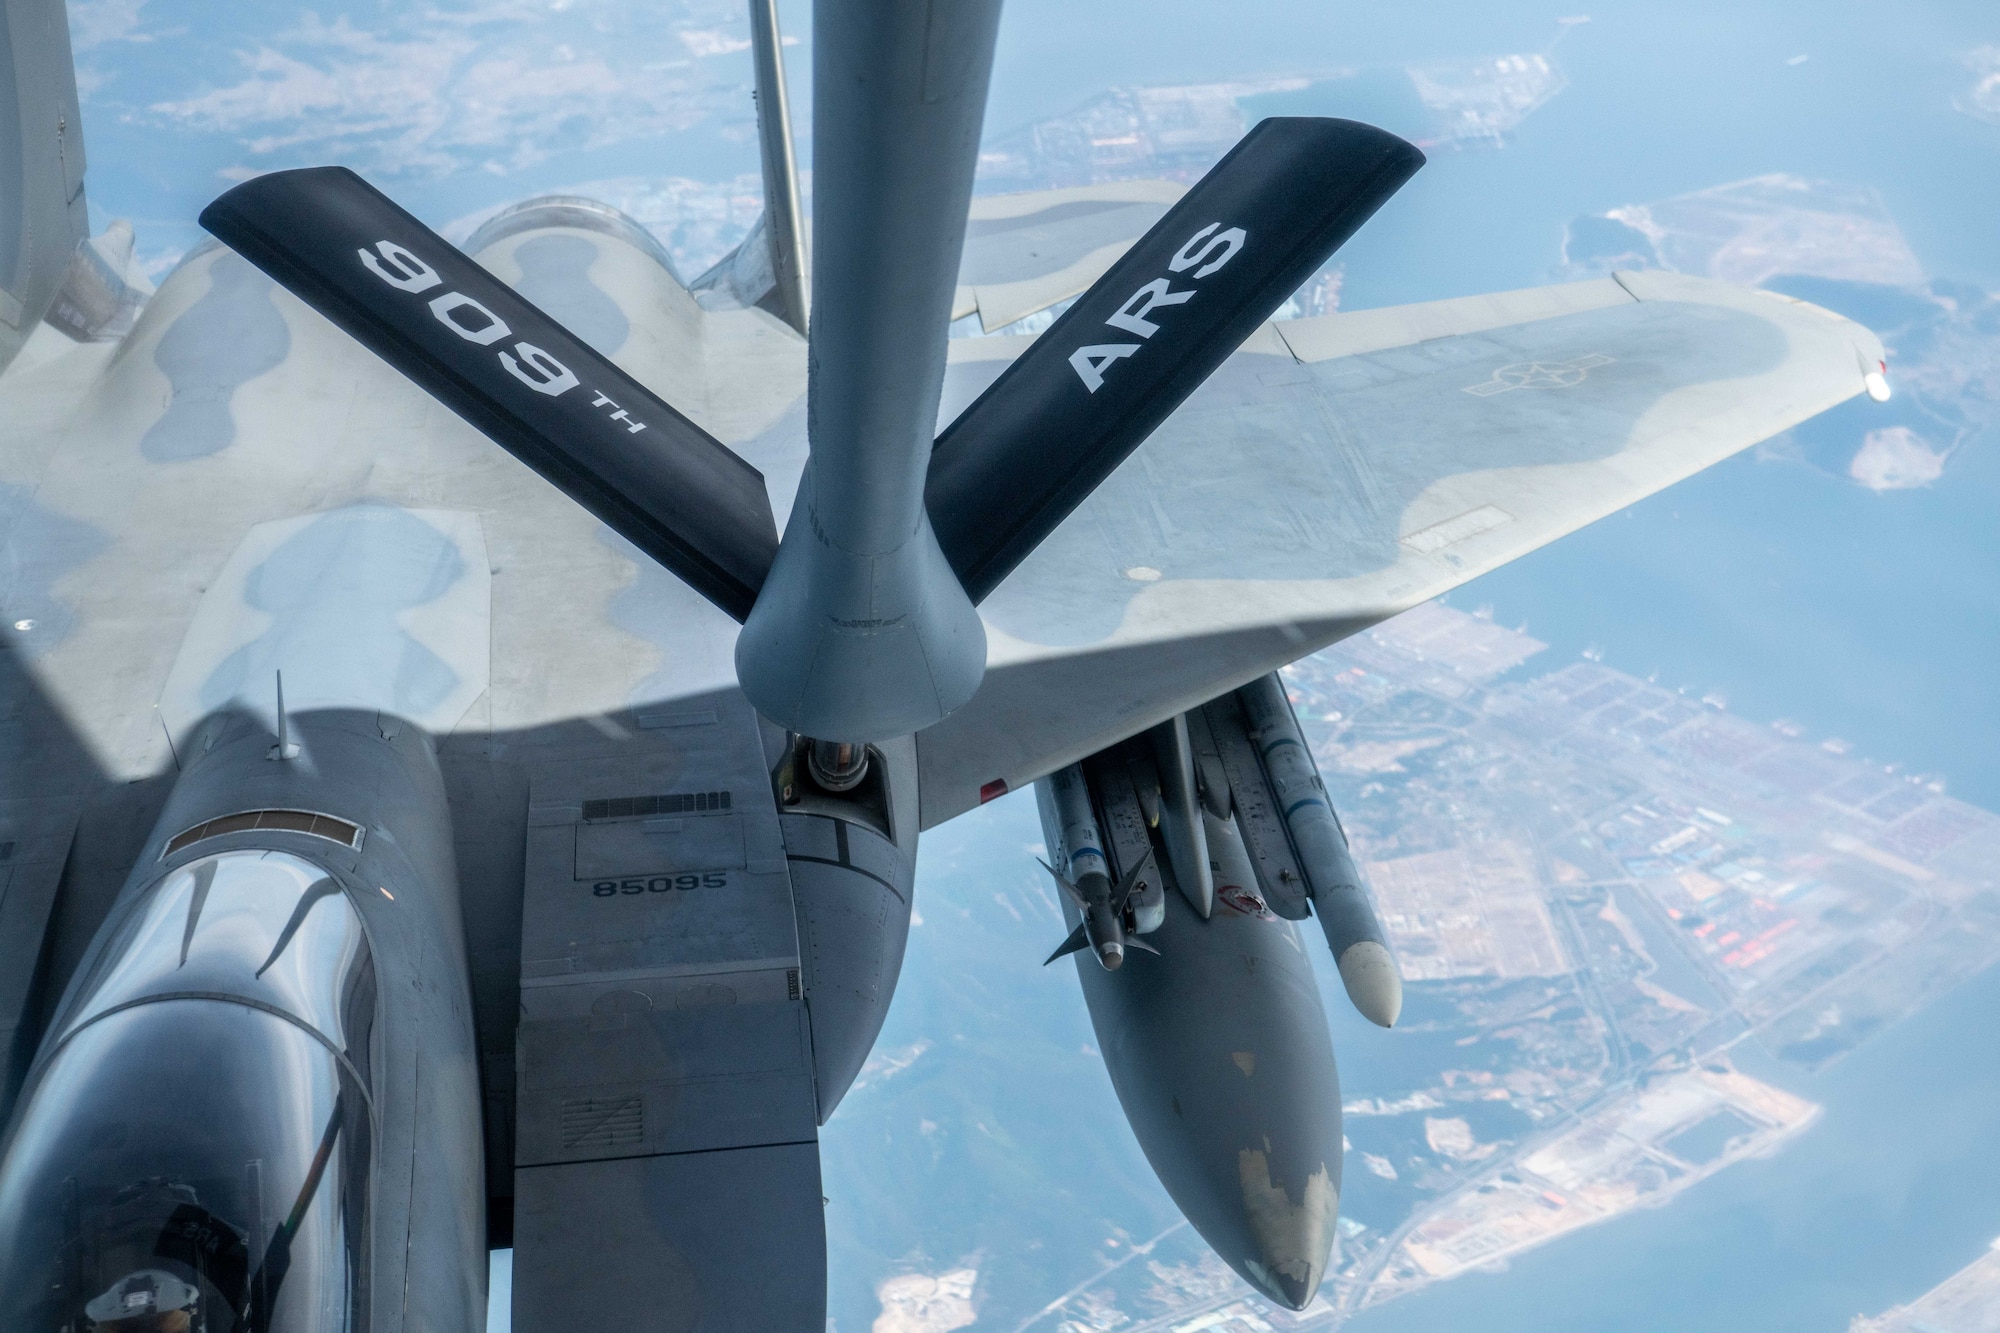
[535,389]
[1146,334]
[42,214]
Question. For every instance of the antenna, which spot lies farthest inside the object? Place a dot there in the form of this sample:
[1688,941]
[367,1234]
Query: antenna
[284,749]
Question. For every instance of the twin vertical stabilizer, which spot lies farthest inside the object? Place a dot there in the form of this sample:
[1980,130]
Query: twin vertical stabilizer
[784,220]
[42,213]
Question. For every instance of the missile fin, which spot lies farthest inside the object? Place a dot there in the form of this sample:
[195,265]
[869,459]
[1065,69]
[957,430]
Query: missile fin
[1075,894]
[1077,939]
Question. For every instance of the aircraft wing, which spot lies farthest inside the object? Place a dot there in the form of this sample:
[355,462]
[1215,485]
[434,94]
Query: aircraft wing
[1339,470]
[1026,252]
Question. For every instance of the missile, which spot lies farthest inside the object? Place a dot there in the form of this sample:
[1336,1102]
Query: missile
[1145,780]
[1235,880]
[1067,817]
[1117,783]
[1360,949]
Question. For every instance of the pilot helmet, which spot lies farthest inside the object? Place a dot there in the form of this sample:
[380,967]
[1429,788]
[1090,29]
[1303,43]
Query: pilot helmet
[148,1301]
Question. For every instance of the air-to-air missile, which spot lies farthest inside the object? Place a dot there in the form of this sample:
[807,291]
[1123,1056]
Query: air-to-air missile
[1217,1044]
[1105,908]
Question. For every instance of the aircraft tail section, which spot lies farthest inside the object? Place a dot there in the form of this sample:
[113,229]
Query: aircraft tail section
[42,213]
[767,269]
[784,225]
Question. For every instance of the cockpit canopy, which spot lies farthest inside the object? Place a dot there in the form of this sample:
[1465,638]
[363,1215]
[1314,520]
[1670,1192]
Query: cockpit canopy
[192,1155]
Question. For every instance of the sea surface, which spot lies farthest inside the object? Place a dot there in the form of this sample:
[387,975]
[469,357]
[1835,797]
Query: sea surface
[1893,1189]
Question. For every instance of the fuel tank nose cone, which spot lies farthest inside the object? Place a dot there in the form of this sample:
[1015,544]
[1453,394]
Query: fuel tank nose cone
[1369,973]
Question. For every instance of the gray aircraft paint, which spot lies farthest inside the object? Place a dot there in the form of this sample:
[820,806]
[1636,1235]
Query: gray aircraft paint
[572,213]
[1026,252]
[779,452]
[555,275]
[861,631]
[332,592]
[13,224]
[1224,1066]
[43,217]
[692,637]
[1035,244]
[689,1013]
[426,1231]
[1339,433]
[369,606]
[37,548]
[783,221]
[230,336]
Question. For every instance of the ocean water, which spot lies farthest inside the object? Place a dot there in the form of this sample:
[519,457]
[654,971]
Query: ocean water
[1890,1191]
[1796,594]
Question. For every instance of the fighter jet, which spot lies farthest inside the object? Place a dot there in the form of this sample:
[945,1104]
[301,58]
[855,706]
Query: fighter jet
[467,713]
